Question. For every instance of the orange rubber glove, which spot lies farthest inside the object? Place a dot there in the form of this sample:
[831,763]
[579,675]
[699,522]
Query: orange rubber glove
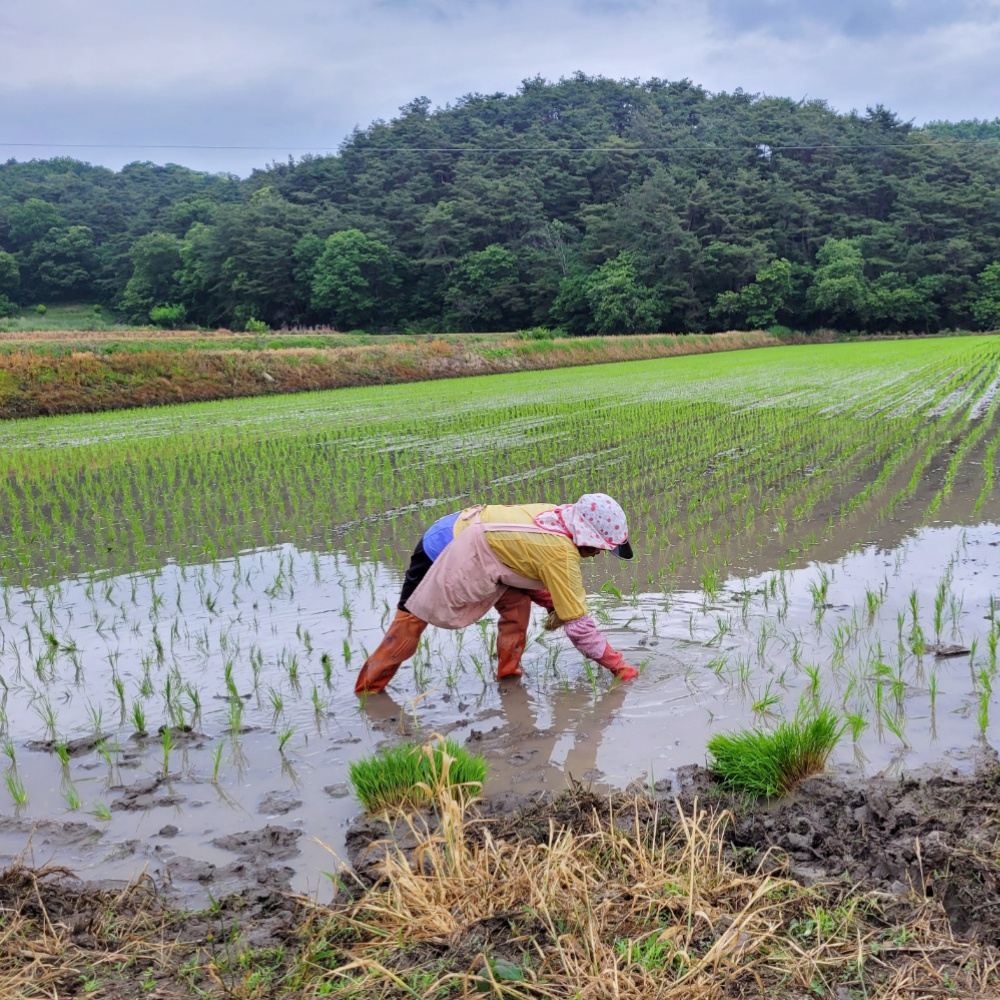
[615,662]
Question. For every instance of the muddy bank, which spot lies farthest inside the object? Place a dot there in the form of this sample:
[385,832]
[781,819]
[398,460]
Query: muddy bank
[931,835]
[845,885]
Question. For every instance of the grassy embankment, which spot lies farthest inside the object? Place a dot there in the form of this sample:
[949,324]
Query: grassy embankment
[49,375]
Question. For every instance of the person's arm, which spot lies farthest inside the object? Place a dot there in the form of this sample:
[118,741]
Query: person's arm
[565,599]
[589,640]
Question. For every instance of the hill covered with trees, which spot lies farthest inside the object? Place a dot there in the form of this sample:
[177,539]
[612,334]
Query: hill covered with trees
[594,205]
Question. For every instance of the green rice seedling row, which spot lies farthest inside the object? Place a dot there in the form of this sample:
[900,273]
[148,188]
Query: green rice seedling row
[188,592]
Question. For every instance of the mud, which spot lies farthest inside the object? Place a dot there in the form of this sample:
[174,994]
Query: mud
[934,835]
[74,748]
[49,833]
[916,839]
[929,835]
[146,793]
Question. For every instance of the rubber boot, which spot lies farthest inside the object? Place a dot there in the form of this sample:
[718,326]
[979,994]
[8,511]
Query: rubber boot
[399,644]
[512,631]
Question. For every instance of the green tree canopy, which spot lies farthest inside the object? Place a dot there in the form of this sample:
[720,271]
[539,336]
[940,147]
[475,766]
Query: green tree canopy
[61,263]
[884,225]
[483,290]
[986,303]
[353,279]
[156,261]
[30,221]
[760,302]
[10,275]
[839,291]
[619,302]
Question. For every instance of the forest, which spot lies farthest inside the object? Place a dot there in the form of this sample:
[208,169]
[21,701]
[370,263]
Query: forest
[588,205]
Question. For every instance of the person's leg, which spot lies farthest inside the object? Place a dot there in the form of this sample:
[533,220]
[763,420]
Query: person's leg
[420,563]
[399,644]
[512,631]
[400,641]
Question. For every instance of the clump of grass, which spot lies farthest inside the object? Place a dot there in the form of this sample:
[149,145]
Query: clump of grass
[771,762]
[409,776]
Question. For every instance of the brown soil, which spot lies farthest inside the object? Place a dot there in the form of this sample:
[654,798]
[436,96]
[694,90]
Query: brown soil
[935,836]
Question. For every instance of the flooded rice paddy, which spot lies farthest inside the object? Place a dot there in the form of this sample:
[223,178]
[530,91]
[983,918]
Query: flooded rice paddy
[188,594]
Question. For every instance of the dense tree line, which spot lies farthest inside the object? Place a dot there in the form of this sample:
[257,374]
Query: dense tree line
[594,205]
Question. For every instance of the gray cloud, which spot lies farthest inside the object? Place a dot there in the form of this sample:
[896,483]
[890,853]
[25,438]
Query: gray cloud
[857,19]
[300,75]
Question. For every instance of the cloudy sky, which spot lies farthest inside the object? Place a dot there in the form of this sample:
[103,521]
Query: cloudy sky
[118,80]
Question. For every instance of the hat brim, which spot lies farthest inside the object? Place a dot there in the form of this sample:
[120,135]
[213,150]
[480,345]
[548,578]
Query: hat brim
[623,551]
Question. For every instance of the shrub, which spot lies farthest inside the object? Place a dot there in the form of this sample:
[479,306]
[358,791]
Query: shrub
[410,776]
[169,316]
[256,326]
[41,310]
[760,762]
[7,307]
[535,333]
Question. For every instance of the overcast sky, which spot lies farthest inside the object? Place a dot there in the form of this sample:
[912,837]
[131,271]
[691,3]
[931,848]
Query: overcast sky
[298,75]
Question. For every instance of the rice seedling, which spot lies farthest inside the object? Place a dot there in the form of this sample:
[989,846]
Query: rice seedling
[167,742]
[818,589]
[406,777]
[771,762]
[139,718]
[277,702]
[217,760]
[96,719]
[44,710]
[894,726]
[858,724]
[283,738]
[230,683]
[16,789]
[119,685]
[234,717]
[940,599]
[812,672]
[72,797]
[766,700]
[101,811]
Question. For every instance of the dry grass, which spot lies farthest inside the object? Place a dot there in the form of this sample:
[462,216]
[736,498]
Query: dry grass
[36,383]
[633,908]
[57,934]
[618,903]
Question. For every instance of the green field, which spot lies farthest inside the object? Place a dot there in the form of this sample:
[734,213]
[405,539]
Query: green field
[708,454]
[189,591]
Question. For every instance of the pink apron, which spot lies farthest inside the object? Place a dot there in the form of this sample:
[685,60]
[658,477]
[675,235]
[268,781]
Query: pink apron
[468,578]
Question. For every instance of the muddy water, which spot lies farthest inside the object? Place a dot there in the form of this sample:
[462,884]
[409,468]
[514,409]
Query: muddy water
[282,632]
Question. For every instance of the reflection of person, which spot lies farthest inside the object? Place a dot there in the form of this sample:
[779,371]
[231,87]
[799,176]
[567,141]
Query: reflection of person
[572,714]
[504,558]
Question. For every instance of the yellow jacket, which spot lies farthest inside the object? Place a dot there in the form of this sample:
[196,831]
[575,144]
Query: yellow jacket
[552,559]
